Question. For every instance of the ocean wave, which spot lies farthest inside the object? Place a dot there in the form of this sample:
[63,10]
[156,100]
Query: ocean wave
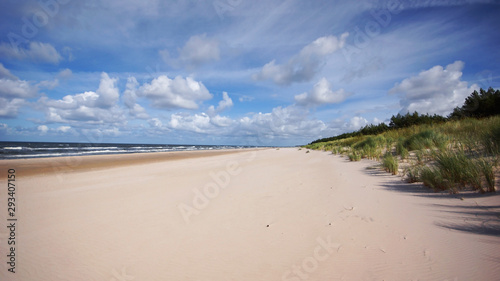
[15,150]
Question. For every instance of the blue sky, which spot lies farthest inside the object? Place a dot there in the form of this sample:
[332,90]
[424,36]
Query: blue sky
[235,71]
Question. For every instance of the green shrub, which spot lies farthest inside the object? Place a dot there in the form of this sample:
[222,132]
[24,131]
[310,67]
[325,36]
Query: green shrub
[462,171]
[486,169]
[354,156]
[366,143]
[401,150]
[491,140]
[435,180]
[425,139]
[456,167]
[413,174]
[390,164]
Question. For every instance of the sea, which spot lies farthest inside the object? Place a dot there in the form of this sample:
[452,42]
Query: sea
[18,150]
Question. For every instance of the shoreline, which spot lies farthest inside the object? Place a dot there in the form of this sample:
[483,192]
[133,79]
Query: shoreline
[44,165]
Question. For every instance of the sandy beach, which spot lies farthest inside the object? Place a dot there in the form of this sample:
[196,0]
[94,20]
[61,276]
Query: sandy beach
[263,214]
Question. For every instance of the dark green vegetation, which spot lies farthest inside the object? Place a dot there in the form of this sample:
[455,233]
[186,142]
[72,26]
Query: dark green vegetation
[454,153]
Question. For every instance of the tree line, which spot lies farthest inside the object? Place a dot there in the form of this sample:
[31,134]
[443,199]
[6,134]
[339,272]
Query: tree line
[477,105]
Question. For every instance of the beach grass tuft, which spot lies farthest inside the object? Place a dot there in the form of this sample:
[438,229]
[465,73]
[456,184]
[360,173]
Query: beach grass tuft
[454,155]
[390,163]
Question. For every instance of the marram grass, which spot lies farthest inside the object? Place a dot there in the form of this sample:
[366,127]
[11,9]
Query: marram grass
[454,155]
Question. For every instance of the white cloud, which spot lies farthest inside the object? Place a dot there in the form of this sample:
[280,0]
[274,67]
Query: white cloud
[47,84]
[98,107]
[130,97]
[9,108]
[5,73]
[101,133]
[321,94]
[43,129]
[221,121]
[155,122]
[16,89]
[108,93]
[434,91]
[258,128]
[304,65]
[225,103]
[198,50]
[63,129]
[13,93]
[281,122]
[65,73]
[199,123]
[13,87]
[36,51]
[246,98]
[174,93]
[355,123]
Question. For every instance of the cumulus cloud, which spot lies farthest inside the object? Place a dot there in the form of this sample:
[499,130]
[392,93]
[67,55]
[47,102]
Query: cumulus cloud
[130,98]
[199,123]
[43,129]
[16,89]
[63,129]
[434,91]
[9,108]
[36,52]
[304,65]
[5,73]
[355,123]
[225,103]
[98,107]
[169,93]
[107,92]
[281,122]
[155,122]
[13,93]
[321,94]
[198,50]
[13,87]
[256,128]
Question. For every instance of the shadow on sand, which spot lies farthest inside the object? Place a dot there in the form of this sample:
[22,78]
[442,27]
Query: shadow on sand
[465,214]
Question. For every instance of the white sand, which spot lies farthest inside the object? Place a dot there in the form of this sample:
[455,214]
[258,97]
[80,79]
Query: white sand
[273,215]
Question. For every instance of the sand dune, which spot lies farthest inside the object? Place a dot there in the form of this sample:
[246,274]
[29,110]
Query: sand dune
[245,215]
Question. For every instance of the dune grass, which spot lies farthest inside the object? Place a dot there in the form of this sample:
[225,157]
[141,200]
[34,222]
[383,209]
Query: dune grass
[454,156]
[390,163]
